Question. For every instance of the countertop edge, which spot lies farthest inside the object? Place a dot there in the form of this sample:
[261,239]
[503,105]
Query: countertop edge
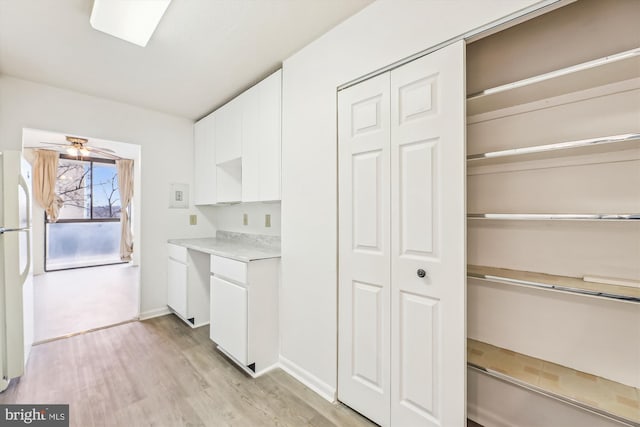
[227,254]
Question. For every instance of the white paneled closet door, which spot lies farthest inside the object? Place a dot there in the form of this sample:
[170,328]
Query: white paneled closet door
[365,270]
[401,359]
[428,223]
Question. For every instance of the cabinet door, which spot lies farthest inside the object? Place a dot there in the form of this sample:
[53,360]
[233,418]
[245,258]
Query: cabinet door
[228,131]
[228,326]
[261,140]
[428,342]
[364,264]
[204,161]
[270,143]
[252,138]
[177,287]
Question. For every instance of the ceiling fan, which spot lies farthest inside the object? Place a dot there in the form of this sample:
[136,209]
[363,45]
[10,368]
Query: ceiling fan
[78,147]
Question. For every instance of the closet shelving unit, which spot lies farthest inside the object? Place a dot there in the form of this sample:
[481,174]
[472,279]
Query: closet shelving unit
[599,72]
[536,375]
[547,151]
[554,217]
[595,286]
[595,394]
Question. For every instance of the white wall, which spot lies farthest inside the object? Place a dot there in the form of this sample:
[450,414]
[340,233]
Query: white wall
[167,156]
[229,218]
[381,34]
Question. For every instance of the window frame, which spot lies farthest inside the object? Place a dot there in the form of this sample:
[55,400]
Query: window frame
[81,220]
[92,219]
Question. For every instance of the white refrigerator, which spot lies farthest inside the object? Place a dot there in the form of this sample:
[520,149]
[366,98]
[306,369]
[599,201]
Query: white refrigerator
[16,274]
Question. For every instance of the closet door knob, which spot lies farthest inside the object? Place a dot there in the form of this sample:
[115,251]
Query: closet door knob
[421,273]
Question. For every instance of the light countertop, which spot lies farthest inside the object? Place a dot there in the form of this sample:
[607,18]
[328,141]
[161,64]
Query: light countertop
[238,246]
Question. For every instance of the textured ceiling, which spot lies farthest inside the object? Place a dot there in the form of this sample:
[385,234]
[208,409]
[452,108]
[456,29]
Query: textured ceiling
[203,53]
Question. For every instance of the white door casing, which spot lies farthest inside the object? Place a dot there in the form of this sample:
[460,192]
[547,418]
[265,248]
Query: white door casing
[401,337]
[364,245]
[428,225]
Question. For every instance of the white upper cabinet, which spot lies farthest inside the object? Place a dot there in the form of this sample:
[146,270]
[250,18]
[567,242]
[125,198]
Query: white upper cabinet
[252,135]
[261,140]
[229,131]
[237,147]
[204,161]
[270,144]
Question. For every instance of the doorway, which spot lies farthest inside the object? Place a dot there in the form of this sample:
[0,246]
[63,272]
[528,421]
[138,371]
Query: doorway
[80,282]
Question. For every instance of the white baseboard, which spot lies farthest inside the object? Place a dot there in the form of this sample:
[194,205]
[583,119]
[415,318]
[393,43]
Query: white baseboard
[157,312]
[308,379]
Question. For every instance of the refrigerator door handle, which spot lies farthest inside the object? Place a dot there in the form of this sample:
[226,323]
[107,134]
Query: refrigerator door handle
[25,187]
[27,269]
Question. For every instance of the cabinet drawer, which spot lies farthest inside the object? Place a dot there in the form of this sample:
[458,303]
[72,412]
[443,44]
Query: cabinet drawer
[179,253]
[229,322]
[229,268]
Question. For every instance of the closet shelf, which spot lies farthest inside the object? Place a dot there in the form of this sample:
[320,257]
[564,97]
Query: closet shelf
[590,392]
[553,282]
[598,72]
[539,152]
[555,217]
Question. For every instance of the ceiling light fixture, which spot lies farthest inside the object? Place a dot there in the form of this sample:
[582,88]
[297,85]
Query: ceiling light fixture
[130,20]
[77,147]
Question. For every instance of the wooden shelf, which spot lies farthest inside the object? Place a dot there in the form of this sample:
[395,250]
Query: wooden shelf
[547,151]
[602,71]
[590,392]
[553,282]
[554,217]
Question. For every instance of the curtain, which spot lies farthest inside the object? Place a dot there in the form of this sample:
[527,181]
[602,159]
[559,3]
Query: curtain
[125,187]
[45,171]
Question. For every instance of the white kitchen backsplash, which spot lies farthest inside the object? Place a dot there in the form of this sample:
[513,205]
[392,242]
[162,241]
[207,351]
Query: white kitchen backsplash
[230,218]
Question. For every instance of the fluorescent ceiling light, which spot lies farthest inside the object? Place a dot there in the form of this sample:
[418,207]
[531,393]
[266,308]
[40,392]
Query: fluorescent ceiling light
[130,20]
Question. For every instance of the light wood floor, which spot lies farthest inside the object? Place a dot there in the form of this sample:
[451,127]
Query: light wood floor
[161,372]
[71,301]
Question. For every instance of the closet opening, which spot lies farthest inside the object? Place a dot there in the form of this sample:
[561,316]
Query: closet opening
[553,162]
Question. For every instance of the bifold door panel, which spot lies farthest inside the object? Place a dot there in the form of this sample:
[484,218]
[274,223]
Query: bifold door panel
[401,243]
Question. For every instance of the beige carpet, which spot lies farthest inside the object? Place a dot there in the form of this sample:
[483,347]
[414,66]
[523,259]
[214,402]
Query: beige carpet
[77,300]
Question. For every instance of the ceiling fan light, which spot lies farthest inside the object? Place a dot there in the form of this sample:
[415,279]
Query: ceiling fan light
[72,151]
[84,151]
[130,20]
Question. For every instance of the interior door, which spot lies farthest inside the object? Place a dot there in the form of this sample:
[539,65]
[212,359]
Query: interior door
[428,347]
[364,245]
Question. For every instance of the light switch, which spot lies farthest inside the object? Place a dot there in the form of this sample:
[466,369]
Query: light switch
[267,220]
[245,219]
[193,219]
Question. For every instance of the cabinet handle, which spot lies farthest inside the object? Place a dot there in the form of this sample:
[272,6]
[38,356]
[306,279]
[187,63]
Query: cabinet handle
[421,273]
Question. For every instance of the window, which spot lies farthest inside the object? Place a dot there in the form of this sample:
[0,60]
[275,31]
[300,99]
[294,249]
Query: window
[87,232]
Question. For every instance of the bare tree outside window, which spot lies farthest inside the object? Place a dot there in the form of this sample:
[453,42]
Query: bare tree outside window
[88,189]
[73,185]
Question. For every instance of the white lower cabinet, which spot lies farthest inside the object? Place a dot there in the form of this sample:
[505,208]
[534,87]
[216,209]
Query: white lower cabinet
[177,289]
[229,315]
[188,285]
[244,311]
